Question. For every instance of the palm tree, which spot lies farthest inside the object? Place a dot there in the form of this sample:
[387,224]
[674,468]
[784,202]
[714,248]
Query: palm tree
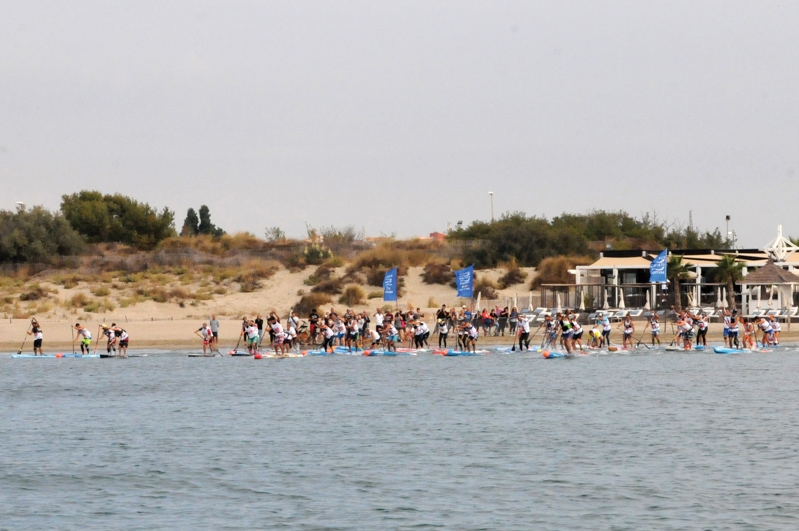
[729,270]
[676,271]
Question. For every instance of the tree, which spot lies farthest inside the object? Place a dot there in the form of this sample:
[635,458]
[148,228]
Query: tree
[205,226]
[36,236]
[191,225]
[729,270]
[275,234]
[676,271]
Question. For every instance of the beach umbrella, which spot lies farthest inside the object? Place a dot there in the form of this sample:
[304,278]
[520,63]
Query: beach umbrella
[515,301]
[582,301]
[622,306]
[758,296]
[691,302]
[647,306]
[477,305]
[606,305]
[770,296]
[718,298]
[530,304]
[724,302]
[557,300]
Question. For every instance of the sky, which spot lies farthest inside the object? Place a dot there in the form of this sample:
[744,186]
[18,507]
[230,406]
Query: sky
[401,117]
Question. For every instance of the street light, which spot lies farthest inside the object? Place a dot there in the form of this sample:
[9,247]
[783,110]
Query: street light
[728,229]
[491,194]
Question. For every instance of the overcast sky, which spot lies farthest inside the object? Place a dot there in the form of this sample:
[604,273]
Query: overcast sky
[399,117]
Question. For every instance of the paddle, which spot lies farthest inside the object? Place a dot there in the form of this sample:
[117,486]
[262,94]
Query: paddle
[236,348]
[98,338]
[72,333]
[24,339]
[639,341]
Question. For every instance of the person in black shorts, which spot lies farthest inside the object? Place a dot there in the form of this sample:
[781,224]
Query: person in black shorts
[38,336]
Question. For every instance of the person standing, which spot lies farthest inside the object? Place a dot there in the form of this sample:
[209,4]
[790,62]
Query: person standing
[654,323]
[38,337]
[85,337]
[513,318]
[629,330]
[443,331]
[206,335]
[523,327]
[259,322]
[604,322]
[214,330]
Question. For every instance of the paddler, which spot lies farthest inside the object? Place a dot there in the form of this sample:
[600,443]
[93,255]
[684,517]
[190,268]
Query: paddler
[523,328]
[470,336]
[685,326]
[122,334]
[38,337]
[628,331]
[577,332]
[82,333]
[565,332]
[253,337]
[111,345]
[206,335]
[733,329]
[280,335]
[768,332]
[603,322]
[701,322]
[653,322]
[775,329]
[594,338]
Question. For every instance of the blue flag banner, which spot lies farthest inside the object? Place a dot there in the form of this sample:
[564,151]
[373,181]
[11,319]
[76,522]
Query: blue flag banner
[464,282]
[657,269]
[390,285]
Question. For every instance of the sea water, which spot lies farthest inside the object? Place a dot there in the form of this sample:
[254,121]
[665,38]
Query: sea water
[652,440]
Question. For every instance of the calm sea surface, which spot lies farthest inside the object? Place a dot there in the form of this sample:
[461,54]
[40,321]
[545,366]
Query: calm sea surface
[648,441]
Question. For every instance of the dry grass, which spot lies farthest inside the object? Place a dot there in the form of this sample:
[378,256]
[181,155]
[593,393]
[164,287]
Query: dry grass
[556,270]
[352,296]
[486,287]
[513,275]
[437,273]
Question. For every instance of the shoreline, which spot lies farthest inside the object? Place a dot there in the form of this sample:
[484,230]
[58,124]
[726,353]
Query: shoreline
[178,334]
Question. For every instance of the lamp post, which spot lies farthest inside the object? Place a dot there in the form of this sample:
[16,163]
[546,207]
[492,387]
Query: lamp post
[491,195]
[728,229]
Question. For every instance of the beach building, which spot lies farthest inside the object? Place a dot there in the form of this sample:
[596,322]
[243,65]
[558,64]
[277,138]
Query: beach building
[619,280]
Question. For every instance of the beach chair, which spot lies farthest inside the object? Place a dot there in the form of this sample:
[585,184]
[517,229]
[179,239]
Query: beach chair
[755,314]
[539,311]
[772,312]
[638,312]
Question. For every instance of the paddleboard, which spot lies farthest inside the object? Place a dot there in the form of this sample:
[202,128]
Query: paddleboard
[106,356]
[55,356]
[202,355]
[388,353]
[617,349]
[725,350]
[451,352]
[552,354]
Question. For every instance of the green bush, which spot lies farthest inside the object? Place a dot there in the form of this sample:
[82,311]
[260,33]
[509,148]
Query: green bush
[36,236]
[117,218]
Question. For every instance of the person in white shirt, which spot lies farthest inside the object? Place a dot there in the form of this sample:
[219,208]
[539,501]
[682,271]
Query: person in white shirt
[280,335]
[523,329]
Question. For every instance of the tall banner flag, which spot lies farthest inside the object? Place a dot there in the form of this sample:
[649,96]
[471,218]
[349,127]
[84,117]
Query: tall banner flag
[657,269]
[464,282]
[390,285]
